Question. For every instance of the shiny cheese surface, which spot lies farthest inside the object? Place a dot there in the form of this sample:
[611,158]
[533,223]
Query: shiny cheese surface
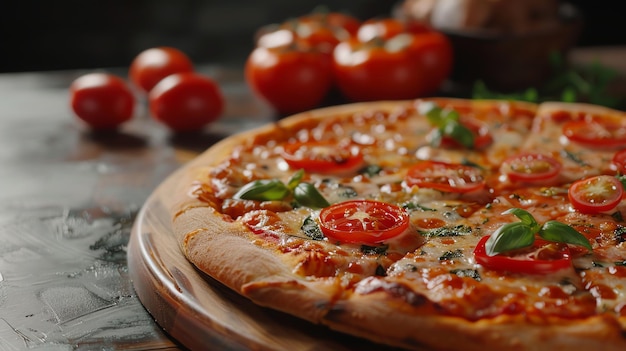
[434,257]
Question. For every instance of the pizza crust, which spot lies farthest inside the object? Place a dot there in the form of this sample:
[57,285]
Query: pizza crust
[223,249]
[419,327]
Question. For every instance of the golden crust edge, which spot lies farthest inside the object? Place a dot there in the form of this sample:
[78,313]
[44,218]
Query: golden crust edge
[422,330]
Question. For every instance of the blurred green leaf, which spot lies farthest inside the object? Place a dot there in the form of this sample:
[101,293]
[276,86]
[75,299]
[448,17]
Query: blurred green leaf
[589,83]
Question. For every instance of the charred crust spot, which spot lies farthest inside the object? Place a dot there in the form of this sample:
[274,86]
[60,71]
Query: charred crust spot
[396,290]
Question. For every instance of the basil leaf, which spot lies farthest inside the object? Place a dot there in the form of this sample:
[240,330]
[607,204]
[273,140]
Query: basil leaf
[449,116]
[432,113]
[306,194]
[563,233]
[525,217]
[460,133]
[263,190]
[295,179]
[447,124]
[508,237]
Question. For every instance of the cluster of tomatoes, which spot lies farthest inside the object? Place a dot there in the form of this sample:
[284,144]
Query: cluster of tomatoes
[179,97]
[296,64]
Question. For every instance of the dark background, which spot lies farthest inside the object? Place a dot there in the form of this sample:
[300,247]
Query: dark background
[65,34]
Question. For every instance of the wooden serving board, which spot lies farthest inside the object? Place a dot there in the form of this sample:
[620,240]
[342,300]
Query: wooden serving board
[201,313]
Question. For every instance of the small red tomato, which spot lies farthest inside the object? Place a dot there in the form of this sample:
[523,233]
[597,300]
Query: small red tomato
[531,168]
[289,78]
[447,177]
[387,28]
[335,20]
[596,194]
[597,131]
[152,65]
[102,100]
[526,261]
[363,221]
[323,156]
[186,101]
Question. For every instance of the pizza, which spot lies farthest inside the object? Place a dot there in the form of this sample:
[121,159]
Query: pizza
[430,224]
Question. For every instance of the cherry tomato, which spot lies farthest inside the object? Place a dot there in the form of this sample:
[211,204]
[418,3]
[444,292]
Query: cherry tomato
[318,36]
[363,221]
[619,162]
[186,101]
[152,65]
[597,131]
[289,78]
[102,100]
[387,28]
[319,31]
[378,70]
[596,194]
[335,20]
[542,257]
[531,168]
[446,177]
[323,156]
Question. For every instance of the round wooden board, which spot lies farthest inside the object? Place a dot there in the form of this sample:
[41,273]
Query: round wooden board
[200,312]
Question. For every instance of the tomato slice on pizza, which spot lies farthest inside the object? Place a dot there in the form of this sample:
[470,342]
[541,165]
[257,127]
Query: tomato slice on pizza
[531,168]
[597,131]
[596,194]
[618,163]
[363,221]
[542,257]
[447,177]
[323,156]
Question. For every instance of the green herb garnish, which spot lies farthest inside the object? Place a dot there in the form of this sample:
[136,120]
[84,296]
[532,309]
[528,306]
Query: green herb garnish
[471,273]
[263,190]
[448,255]
[305,194]
[374,250]
[416,206]
[311,229]
[517,235]
[447,231]
[574,157]
[589,83]
[447,122]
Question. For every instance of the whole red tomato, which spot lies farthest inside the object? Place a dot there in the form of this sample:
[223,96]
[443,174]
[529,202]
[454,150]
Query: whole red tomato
[289,78]
[387,28]
[335,20]
[318,31]
[186,101]
[378,70]
[405,66]
[433,51]
[102,100]
[152,65]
